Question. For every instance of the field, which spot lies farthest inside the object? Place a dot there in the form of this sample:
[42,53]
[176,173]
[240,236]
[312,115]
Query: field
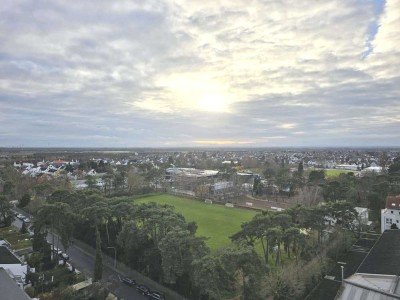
[336,172]
[214,221]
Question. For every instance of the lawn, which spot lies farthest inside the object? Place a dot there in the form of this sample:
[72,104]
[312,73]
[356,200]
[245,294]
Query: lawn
[214,221]
[15,238]
[336,172]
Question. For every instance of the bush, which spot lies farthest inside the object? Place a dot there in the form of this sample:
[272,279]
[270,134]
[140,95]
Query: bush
[30,291]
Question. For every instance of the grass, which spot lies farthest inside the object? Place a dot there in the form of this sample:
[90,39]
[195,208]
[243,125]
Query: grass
[335,172]
[15,238]
[214,221]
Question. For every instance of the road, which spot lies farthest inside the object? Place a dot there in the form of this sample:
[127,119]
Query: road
[85,263]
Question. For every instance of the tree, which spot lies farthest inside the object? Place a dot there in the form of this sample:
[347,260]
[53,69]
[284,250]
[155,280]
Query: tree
[233,270]
[284,180]
[255,230]
[23,229]
[316,177]
[394,168]
[9,188]
[56,218]
[98,260]
[243,264]
[119,180]
[24,201]
[179,248]
[6,213]
[90,181]
[300,168]
[135,182]
[257,186]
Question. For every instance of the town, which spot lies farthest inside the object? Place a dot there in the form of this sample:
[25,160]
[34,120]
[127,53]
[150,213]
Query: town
[69,220]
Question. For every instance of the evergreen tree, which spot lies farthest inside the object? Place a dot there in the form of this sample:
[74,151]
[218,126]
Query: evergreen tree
[24,201]
[98,263]
[300,169]
[23,228]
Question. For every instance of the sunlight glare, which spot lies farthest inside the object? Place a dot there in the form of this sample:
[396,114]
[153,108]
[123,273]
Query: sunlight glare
[212,103]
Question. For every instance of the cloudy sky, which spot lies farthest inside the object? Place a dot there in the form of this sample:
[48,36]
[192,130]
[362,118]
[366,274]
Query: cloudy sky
[200,73]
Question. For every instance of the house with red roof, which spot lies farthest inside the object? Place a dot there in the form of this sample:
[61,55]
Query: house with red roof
[390,215]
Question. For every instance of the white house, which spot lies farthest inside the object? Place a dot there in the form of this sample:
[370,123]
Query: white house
[391,213]
[92,172]
[12,264]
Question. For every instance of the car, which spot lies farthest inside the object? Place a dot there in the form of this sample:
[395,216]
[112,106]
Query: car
[26,220]
[144,290]
[20,216]
[156,296]
[129,281]
[64,256]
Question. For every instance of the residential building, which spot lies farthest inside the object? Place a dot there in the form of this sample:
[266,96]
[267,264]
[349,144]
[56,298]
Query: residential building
[13,265]
[390,215]
[10,289]
[378,275]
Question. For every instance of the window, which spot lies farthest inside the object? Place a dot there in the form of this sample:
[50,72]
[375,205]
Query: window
[387,221]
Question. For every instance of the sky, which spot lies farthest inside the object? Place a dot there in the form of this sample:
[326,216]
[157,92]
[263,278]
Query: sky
[180,73]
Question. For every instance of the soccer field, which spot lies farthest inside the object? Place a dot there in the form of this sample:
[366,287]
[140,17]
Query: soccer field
[214,221]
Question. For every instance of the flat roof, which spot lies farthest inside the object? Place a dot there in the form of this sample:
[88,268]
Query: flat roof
[384,257]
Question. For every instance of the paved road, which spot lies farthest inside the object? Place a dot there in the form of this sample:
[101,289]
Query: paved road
[85,263]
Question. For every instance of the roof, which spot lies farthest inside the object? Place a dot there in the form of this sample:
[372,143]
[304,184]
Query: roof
[9,288]
[6,257]
[370,287]
[393,202]
[82,285]
[384,257]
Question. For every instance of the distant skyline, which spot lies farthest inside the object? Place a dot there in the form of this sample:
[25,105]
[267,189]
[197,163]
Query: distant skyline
[204,73]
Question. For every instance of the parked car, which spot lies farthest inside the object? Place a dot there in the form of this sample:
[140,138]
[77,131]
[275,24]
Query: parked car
[129,281]
[20,216]
[144,290]
[26,220]
[65,256]
[156,296]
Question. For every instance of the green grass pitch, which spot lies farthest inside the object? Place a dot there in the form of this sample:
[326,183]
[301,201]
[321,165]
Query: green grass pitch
[214,221]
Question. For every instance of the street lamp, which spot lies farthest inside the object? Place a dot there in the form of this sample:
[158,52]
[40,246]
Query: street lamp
[115,256]
[342,264]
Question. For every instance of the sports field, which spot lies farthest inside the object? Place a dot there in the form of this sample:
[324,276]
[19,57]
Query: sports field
[214,221]
[336,172]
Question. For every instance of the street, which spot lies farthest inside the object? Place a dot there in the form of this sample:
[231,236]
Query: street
[85,264]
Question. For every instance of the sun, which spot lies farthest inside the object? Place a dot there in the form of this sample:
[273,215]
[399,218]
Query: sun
[212,103]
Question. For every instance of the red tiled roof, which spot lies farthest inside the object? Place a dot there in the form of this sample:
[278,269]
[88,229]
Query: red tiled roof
[393,202]
[58,161]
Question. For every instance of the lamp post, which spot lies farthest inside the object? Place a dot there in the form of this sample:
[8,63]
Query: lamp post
[115,256]
[342,264]
[342,271]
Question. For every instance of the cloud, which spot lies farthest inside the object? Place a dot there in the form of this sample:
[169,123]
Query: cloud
[149,73]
